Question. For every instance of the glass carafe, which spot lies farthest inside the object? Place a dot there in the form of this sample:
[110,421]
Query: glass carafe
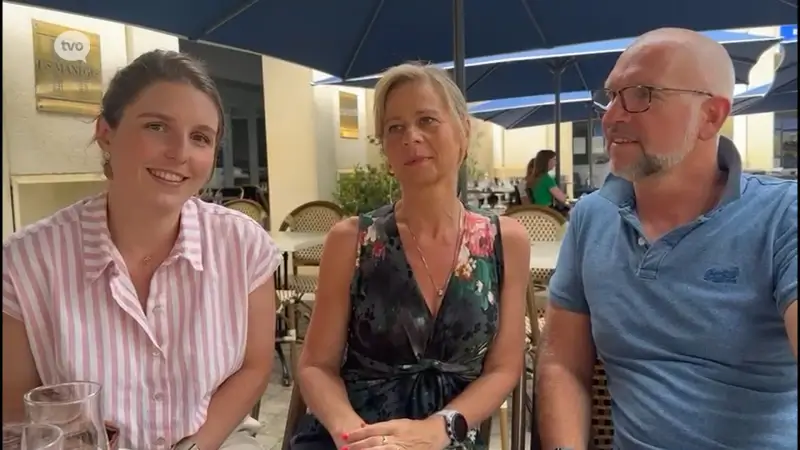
[25,436]
[76,408]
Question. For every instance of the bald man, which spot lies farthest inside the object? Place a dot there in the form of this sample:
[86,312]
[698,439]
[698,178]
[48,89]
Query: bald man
[680,273]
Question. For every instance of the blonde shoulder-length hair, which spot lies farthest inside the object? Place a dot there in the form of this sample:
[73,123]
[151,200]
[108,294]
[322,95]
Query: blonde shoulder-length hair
[417,71]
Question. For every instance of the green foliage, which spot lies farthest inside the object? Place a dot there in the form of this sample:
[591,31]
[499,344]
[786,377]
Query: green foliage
[366,188]
[473,172]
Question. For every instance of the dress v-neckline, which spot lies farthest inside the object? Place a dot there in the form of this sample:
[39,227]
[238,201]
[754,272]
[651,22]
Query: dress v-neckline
[417,288]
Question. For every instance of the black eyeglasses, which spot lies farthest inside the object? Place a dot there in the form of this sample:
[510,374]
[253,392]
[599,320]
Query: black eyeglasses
[636,99]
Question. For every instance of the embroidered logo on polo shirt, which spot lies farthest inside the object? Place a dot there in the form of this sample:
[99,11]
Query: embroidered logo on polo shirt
[728,275]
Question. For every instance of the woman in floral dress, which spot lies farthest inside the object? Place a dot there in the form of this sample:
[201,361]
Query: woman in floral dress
[418,330]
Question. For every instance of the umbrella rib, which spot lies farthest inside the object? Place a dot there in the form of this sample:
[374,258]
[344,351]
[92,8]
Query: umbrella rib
[535,22]
[524,116]
[363,39]
[580,74]
[494,115]
[482,77]
[582,77]
[226,19]
[743,60]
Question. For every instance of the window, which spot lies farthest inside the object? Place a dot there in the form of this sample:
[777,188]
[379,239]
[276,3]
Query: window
[786,140]
[587,175]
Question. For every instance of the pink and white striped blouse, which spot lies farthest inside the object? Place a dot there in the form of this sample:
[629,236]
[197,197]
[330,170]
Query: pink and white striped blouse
[65,279]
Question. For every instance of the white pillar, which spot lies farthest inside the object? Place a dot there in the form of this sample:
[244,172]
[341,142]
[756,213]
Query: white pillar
[291,137]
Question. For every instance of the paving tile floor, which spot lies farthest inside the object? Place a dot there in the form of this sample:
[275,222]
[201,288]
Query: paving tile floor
[275,405]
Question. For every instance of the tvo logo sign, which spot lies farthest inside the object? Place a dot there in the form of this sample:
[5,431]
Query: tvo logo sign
[72,45]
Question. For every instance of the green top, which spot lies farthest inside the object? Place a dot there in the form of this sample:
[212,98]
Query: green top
[541,190]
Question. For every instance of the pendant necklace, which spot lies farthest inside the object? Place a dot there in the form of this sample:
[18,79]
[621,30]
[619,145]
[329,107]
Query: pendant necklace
[441,290]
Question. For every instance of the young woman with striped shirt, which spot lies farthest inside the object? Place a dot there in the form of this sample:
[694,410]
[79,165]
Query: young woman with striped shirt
[166,301]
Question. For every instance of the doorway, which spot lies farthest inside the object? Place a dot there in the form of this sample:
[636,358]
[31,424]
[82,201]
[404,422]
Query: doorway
[242,158]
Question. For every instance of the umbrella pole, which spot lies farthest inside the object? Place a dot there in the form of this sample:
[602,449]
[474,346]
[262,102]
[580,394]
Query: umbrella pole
[460,76]
[558,70]
[589,149]
[557,119]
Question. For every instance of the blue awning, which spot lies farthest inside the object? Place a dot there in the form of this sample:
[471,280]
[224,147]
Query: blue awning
[780,95]
[586,66]
[351,38]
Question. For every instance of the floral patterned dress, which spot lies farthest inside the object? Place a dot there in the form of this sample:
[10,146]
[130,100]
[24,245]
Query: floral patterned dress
[400,360]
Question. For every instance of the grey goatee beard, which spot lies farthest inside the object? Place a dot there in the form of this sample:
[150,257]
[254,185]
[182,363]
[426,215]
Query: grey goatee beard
[649,165]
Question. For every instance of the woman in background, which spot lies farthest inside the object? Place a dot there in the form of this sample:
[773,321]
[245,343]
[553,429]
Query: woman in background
[541,187]
[164,300]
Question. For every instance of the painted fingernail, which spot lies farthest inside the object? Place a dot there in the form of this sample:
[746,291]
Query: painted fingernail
[345,436]
[344,448]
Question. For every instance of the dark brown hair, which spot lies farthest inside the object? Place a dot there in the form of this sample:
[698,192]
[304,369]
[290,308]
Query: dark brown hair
[157,66]
[538,166]
[153,67]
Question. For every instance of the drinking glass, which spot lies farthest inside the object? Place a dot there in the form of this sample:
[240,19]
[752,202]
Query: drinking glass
[25,436]
[76,408]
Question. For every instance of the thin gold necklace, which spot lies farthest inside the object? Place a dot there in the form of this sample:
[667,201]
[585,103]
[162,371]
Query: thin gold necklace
[440,290]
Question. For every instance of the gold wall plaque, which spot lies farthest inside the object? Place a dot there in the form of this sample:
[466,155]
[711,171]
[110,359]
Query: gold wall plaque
[348,115]
[67,69]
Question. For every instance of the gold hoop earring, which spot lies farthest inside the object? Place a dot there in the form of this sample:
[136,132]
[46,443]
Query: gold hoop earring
[107,165]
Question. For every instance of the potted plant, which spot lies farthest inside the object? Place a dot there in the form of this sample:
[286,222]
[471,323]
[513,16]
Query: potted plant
[365,189]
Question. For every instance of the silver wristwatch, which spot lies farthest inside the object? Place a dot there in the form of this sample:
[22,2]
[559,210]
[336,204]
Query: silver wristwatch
[455,424]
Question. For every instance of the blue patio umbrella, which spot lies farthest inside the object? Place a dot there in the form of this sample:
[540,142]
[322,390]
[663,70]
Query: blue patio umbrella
[759,100]
[581,66]
[352,38]
[780,95]
[523,112]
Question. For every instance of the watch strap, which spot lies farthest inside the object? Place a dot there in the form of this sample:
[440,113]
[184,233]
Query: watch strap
[448,416]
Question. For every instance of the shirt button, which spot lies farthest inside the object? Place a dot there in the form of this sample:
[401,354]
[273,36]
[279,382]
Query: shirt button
[157,396]
[156,353]
[157,309]
[642,241]
[160,441]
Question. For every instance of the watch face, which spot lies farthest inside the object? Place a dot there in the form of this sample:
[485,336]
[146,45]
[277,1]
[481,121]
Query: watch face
[460,428]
